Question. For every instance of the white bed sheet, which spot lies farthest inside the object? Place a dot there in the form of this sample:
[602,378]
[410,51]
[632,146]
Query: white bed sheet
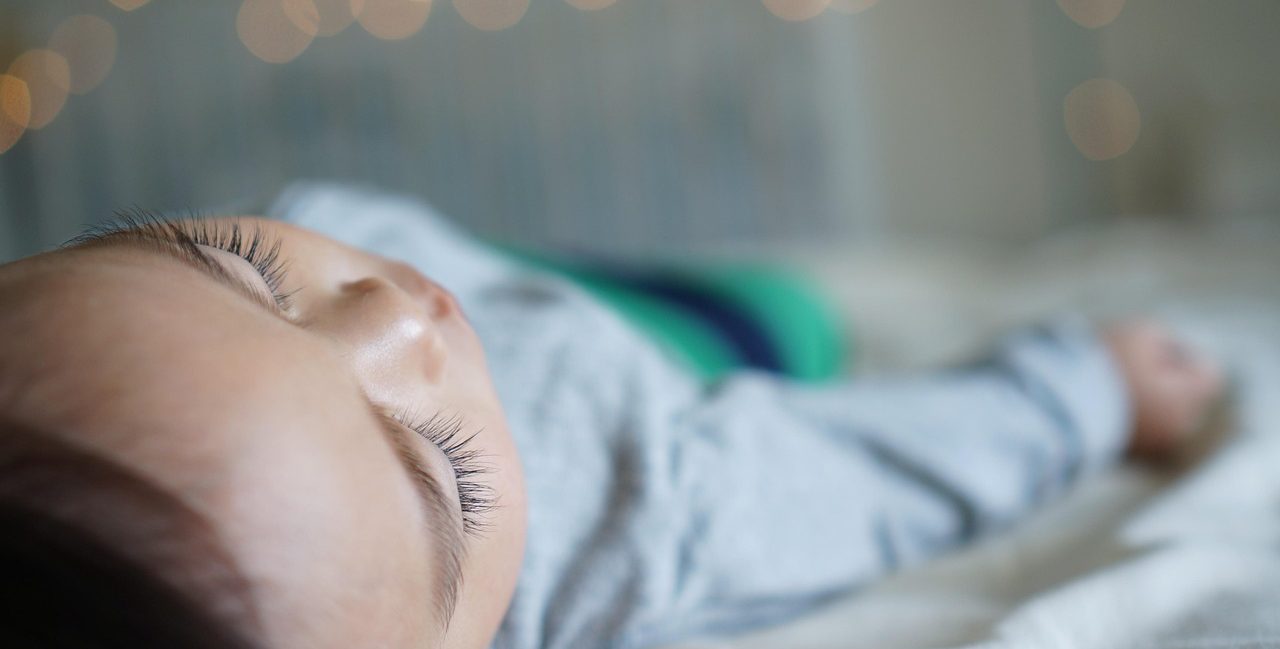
[1178,559]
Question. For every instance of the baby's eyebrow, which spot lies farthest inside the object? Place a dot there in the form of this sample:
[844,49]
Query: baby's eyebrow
[448,530]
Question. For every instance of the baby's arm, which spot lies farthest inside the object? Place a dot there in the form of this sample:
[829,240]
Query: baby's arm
[806,492]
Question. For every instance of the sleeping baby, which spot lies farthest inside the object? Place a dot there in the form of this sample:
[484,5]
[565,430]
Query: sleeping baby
[352,425]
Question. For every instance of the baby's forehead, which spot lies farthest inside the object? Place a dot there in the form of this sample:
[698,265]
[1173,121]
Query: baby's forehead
[124,339]
[71,311]
[61,282]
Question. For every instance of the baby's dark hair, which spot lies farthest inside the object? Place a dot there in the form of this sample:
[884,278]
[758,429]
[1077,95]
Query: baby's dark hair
[94,556]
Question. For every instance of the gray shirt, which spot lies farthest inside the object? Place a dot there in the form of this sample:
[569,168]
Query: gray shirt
[661,508]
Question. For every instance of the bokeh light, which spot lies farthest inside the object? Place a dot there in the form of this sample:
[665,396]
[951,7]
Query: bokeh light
[47,77]
[1102,119]
[15,110]
[392,19]
[1092,13]
[591,5]
[852,6]
[491,15]
[88,43]
[303,14]
[270,28]
[796,9]
[332,16]
[129,5]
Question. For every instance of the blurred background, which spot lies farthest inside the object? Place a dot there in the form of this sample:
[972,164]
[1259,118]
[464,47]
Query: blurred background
[945,169]
[650,127]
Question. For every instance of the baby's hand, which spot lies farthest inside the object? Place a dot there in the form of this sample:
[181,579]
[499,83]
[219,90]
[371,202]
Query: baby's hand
[1171,388]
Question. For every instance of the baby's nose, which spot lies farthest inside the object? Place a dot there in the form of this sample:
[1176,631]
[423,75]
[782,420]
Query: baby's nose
[391,330]
[438,302]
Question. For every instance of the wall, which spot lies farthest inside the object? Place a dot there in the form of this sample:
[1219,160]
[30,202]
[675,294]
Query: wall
[660,127]
[1205,74]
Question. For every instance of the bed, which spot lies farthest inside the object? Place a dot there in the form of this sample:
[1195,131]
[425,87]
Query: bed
[1187,557]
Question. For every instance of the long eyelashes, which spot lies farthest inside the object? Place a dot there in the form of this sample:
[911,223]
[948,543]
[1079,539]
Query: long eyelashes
[261,252]
[446,433]
[254,246]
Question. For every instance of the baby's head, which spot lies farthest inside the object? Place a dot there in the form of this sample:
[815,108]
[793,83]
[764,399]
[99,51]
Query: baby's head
[300,438]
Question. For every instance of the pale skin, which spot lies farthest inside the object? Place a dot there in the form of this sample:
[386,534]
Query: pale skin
[266,421]
[1171,386]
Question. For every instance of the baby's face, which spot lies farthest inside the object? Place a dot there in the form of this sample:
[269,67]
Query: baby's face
[284,409]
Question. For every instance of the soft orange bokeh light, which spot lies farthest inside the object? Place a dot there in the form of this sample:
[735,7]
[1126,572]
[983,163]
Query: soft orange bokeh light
[1092,13]
[129,5]
[47,77]
[491,15]
[1102,119]
[269,28]
[392,20]
[852,6]
[796,9]
[15,110]
[303,14]
[591,5]
[88,43]
[332,17]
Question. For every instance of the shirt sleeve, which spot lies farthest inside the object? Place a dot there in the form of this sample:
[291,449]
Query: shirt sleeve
[798,494]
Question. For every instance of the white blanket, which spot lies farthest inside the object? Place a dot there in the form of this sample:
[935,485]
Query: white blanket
[1176,559]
